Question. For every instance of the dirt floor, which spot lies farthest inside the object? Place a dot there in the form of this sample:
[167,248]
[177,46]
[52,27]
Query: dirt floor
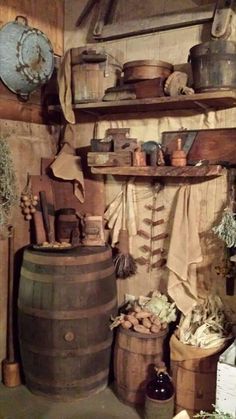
[20,403]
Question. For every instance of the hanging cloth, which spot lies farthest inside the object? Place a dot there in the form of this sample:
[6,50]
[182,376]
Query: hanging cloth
[185,250]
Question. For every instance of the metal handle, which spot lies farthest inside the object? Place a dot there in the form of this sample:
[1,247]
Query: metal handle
[23,18]
[23,97]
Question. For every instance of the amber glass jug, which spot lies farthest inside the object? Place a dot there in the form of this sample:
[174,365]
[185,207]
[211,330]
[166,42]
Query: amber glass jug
[159,400]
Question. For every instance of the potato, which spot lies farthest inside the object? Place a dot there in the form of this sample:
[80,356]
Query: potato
[141,329]
[155,320]
[131,319]
[147,323]
[126,324]
[164,326]
[155,329]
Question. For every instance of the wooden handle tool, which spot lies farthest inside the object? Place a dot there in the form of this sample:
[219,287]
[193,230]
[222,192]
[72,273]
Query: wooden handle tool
[10,368]
[46,221]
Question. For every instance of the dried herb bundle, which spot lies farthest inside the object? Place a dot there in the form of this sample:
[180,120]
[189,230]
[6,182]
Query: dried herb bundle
[8,189]
[216,414]
[206,326]
[226,230]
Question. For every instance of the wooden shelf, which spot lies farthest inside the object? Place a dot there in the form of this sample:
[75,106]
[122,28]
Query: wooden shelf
[199,101]
[162,171]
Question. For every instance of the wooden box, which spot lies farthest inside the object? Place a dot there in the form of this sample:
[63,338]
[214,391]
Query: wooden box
[218,146]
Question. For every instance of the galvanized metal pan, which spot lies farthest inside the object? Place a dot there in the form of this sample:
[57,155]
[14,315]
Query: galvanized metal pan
[26,57]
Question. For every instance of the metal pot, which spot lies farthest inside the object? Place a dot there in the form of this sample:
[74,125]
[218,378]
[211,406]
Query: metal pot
[26,57]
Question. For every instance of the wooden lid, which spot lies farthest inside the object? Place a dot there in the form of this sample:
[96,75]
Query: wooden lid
[156,63]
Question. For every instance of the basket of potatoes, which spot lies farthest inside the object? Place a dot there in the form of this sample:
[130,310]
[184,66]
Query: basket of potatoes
[142,321]
[147,315]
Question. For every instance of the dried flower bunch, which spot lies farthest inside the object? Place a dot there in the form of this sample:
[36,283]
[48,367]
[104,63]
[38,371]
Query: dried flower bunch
[8,189]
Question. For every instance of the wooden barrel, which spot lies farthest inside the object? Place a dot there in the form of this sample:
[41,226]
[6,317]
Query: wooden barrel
[195,384]
[134,360]
[64,308]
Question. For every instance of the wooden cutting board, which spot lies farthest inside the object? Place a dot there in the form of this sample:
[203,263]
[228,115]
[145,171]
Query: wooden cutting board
[43,183]
[218,146]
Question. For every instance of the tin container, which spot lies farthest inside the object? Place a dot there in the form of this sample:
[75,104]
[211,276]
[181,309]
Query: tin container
[27,60]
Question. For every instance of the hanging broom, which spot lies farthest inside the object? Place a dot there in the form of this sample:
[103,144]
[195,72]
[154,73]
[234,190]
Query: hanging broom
[125,264]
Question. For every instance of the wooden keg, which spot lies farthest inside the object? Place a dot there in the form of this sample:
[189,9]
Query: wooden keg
[134,359]
[66,223]
[64,308]
[195,384]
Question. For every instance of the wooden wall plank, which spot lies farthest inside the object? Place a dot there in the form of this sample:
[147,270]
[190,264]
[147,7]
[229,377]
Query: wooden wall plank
[48,16]
[33,110]
[28,143]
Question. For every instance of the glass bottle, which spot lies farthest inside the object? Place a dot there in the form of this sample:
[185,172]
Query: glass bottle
[159,400]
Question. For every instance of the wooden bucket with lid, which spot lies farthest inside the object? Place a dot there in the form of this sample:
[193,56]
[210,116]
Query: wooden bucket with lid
[92,72]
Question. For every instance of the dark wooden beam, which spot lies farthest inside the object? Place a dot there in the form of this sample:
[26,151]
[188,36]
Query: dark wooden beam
[162,171]
[156,23]
[34,110]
